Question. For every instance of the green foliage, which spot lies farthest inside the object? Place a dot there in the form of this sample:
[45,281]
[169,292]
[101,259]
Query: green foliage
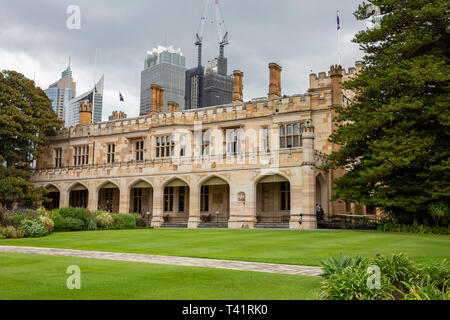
[77,213]
[332,265]
[398,268]
[11,232]
[351,284]
[27,120]
[123,221]
[71,224]
[440,212]
[34,228]
[58,221]
[395,137]
[426,290]
[400,279]
[92,225]
[104,220]
[390,226]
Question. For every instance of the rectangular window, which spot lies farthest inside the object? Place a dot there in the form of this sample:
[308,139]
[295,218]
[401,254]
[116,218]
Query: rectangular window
[139,151]
[79,199]
[110,156]
[285,196]
[266,140]
[165,146]
[234,141]
[168,199]
[182,146]
[371,210]
[204,201]
[205,143]
[181,197]
[58,158]
[290,136]
[81,155]
[109,200]
[137,200]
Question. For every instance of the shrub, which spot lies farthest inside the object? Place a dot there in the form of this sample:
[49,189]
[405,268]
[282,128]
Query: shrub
[438,274]
[34,229]
[123,221]
[140,221]
[426,290]
[104,220]
[351,284]
[11,232]
[398,268]
[72,224]
[92,225]
[58,221]
[331,265]
[390,226]
[77,213]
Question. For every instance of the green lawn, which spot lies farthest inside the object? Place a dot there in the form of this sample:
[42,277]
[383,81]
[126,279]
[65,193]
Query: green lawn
[28,277]
[287,247]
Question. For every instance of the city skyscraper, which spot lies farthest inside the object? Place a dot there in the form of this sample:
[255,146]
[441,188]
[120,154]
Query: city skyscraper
[95,96]
[61,92]
[165,67]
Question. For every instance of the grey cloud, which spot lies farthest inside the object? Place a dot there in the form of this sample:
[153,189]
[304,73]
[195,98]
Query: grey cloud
[299,35]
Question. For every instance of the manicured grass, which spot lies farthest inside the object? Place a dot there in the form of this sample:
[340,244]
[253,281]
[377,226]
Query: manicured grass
[28,277]
[287,247]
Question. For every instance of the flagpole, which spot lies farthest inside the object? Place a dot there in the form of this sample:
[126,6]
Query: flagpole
[338,38]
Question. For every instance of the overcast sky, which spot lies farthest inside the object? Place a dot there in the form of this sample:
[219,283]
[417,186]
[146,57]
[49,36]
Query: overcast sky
[115,36]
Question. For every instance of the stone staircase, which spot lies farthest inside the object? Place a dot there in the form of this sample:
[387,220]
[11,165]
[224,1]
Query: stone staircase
[174,225]
[272,225]
[213,225]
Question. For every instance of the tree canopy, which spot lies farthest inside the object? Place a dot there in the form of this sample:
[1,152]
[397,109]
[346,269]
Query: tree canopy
[395,137]
[26,121]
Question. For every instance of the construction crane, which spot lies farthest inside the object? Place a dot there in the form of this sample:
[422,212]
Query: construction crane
[223,40]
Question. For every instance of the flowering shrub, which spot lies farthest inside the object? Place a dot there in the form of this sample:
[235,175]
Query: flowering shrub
[104,220]
[34,228]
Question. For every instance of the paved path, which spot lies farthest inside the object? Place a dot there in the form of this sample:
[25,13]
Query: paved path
[177,261]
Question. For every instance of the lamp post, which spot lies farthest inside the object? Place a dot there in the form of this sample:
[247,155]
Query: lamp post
[217,215]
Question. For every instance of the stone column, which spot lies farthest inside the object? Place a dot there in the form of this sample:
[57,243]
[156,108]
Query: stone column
[309,181]
[158,194]
[92,198]
[64,195]
[194,205]
[124,198]
[242,201]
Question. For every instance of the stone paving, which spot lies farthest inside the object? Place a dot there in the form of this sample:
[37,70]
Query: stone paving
[166,260]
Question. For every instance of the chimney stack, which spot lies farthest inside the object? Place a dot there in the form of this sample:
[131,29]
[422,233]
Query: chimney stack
[173,106]
[238,87]
[161,100]
[157,99]
[275,81]
[85,113]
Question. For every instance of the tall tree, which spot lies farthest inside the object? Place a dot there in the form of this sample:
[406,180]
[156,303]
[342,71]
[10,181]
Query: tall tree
[395,137]
[26,121]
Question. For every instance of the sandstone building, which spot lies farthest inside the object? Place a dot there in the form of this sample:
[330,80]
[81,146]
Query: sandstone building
[238,166]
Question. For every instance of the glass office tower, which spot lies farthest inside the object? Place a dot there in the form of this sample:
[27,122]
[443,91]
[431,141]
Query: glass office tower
[95,96]
[165,67]
[61,92]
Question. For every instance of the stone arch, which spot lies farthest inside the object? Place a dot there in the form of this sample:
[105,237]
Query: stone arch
[214,198]
[78,195]
[273,199]
[54,196]
[322,193]
[108,198]
[175,201]
[140,197]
